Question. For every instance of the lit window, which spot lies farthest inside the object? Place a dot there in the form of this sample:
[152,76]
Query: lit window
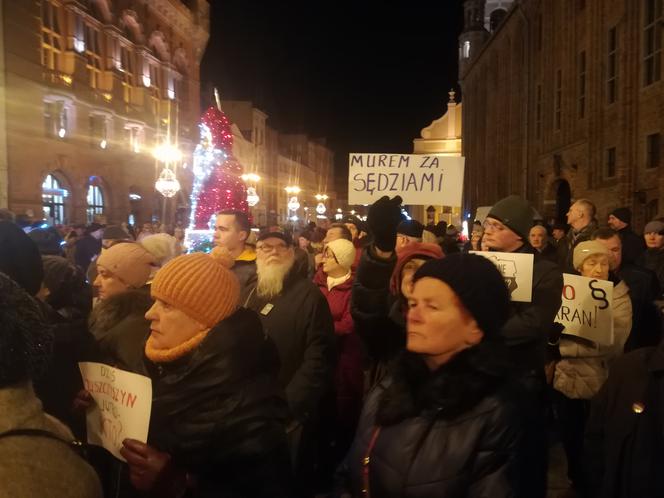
[95,202]
[652,42]
[93,56]
[466,50]
[51,35]
[155,88]
[134,137]
[55,118]
[99,126]
[129,73]
[53,199]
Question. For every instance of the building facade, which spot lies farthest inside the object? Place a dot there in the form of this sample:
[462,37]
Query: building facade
[280,160]
[90,88]
[563,99]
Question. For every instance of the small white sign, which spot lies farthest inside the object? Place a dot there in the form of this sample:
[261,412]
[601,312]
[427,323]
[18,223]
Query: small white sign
[587,310]
[419,179]
[517,270]
[123,402]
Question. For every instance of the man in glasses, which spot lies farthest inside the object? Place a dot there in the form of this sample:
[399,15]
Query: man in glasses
[527,331]
[297,317]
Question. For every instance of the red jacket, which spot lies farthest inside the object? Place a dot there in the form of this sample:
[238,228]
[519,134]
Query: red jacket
[339,301]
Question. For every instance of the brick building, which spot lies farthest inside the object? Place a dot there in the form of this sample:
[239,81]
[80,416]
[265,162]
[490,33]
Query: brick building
[564,99]
[88,89]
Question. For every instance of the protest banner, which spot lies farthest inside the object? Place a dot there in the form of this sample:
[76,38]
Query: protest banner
[481,213]
[123,401]
[586,310]
[517,270]
[419,179]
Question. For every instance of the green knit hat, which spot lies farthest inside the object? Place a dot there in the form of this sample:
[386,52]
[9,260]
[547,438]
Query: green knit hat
[515,213]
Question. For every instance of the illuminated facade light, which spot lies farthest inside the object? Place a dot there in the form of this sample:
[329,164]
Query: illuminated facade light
[167,153]
[146,81]
[79,45]
[103,143]
[62,132]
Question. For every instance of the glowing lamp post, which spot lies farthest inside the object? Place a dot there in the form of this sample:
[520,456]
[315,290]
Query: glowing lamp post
[320,207]
[293,204]
[252,195]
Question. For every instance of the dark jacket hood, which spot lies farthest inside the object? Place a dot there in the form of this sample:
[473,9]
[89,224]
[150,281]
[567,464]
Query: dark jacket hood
[109,312]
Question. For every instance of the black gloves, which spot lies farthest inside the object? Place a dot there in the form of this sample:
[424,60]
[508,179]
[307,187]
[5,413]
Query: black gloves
[383,218]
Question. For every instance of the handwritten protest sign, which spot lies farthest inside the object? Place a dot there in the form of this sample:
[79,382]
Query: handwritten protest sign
[586,309]
[123,402]
[418,179]
[517,270]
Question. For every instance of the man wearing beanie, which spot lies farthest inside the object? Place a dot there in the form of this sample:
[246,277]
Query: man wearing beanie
[297,317]
[620,220]
[527,330]
[41,464]
[407,232]
[217,424]
[582,222]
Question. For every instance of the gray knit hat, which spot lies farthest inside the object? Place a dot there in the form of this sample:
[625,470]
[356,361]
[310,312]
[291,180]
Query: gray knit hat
[515,213]
[654,227]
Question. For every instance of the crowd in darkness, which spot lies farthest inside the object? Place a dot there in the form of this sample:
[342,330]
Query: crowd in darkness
[350,359]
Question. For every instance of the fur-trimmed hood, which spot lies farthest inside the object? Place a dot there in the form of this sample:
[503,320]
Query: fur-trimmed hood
[449,391]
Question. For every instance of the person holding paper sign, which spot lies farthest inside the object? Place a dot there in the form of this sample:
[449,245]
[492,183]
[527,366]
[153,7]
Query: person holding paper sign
[506,229]
[582,369]
[218,415]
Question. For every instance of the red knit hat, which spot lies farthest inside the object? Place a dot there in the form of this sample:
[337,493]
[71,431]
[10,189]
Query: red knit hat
[419,250]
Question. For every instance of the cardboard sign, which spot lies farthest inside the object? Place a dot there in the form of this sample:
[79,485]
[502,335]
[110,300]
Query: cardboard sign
[123,402]
[481,213]
[419,179]
[517,270]
[586,310]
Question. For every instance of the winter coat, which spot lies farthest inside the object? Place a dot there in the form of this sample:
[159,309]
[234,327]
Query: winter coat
[549,253]
[584,366]
[632,245]
[38,466]
[572,239]
[120,329]
[348,377]
[450,433]
[220,413]
[624,432]
[244,269]
[653,259]
[646,316]
[299,322]
[526,331]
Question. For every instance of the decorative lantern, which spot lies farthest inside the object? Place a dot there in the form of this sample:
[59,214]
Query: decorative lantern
[167,184]
[252,196]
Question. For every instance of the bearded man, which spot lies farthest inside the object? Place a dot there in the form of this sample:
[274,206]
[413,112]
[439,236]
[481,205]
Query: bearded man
[297,317]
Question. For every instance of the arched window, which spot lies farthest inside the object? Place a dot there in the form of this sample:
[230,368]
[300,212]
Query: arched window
[496,18]
[53,199]
[95,202]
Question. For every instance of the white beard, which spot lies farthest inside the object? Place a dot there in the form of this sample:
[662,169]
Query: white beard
[271,277]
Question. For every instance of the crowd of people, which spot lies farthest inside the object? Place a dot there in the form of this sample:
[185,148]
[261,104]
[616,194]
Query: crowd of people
[352,359]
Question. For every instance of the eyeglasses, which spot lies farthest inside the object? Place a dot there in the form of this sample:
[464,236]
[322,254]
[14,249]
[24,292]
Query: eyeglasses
[493,225]
[327,254]
[267,248]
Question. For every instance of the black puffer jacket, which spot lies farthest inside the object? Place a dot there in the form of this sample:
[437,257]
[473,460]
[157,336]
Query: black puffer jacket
[450,433]
[120,329]
[220,413]
[653,259]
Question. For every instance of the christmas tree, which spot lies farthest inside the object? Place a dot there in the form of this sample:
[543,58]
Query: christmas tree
[217,183]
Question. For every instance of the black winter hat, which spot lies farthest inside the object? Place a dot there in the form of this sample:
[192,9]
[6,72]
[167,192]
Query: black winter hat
[48,240]
[478,284]
[277,235]
[515,213]
[19,258]
[411,228]
[26,340]
[624,214]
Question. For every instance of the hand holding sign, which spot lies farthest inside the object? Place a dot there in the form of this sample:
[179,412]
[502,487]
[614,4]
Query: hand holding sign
[383,218]
[517,270]
[123,402]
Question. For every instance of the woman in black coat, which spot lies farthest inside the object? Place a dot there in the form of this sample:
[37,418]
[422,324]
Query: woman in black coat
[217,426]
[445,422]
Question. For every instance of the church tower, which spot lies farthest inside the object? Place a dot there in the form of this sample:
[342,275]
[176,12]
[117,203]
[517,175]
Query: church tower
[474,33]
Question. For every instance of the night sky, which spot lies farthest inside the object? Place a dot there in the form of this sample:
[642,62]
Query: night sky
[366,75]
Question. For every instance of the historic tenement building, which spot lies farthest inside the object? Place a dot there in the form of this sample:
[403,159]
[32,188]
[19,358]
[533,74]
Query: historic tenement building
[88,89]
[564,99]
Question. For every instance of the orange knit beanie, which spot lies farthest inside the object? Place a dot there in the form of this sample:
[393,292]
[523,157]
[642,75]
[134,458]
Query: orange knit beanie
[199,284]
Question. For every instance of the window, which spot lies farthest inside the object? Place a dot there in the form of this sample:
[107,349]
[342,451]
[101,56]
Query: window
[155,95]
[652,41]
[610,171]
[558,105]
[495,18]
[582,85]
[133,137]
[538,112]
[612,67]
[128,66]
[51,35]
[55,118]
[93,56]
[99,126]
[465,51]
[653,149]
[95,202]
[53,199]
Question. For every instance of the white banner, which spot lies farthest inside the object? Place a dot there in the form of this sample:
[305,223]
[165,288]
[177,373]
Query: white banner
[586,310]
[419,179]
[517,270]
[123,402]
